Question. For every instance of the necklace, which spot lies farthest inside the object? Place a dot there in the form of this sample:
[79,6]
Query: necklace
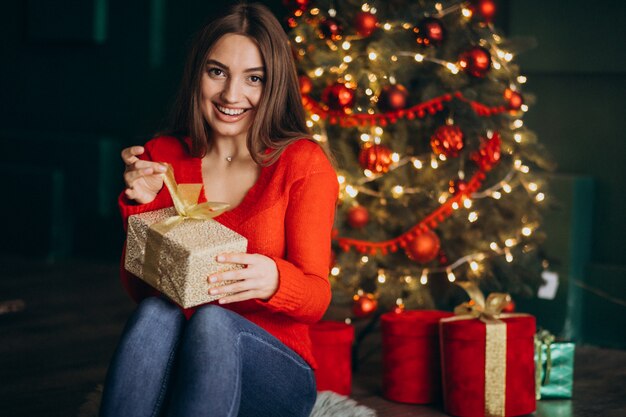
[229,159]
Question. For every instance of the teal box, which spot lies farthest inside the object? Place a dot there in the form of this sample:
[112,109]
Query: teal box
[555,370]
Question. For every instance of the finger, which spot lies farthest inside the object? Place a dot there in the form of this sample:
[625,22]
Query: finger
[242,296]
[234,287]
[236,258]
[235,275]
[141,164]
[129,155]
[131,176]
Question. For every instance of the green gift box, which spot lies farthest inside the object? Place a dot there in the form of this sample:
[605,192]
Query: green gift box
[554,363]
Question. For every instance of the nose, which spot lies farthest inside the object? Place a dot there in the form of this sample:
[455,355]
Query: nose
[232,91]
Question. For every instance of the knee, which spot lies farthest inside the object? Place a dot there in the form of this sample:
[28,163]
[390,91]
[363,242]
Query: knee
[159,310]
[213,320]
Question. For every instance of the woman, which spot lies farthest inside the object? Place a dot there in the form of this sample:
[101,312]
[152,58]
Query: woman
[239,129]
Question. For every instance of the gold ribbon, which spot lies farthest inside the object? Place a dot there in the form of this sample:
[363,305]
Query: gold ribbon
[546,338]
[488,311]
[185,198]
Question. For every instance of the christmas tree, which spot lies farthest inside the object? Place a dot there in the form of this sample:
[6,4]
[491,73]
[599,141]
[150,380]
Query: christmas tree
[422,104]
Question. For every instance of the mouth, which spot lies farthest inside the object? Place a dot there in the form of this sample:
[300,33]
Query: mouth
[228,111]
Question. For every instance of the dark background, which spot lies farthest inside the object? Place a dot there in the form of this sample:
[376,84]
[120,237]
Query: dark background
[81,79]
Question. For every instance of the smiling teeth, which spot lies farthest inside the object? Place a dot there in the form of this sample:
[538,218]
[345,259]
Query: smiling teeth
[230,112]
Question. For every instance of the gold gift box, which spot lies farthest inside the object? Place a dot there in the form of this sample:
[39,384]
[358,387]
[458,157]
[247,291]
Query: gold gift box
[181,256]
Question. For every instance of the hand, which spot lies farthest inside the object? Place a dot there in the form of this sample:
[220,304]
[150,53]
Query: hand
[143,178]
[259,279]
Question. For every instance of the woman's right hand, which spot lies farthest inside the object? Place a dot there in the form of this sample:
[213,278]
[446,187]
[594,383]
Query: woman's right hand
[143,178]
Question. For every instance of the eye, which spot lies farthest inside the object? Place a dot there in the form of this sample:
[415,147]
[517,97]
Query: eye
[215,72]
[256,79]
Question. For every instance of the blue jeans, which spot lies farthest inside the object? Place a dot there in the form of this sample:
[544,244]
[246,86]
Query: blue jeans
[216,364]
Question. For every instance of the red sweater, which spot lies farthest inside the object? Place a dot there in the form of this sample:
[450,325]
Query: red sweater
[287,215]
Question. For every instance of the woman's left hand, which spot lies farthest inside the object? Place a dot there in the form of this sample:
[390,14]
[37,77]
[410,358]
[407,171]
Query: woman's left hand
[258,279]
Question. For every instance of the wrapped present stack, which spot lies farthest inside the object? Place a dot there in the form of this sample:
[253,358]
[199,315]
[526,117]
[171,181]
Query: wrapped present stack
[554,367]
[175,249]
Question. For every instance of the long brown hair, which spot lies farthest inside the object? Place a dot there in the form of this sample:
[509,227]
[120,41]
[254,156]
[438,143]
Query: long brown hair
[279,118]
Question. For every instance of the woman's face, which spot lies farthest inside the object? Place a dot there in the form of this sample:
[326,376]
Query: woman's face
[231,86]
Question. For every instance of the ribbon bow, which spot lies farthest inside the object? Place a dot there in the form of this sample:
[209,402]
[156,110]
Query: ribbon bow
[477,307]
[185,198]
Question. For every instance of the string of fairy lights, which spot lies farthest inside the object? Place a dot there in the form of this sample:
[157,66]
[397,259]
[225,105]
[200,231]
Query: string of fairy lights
[516,176]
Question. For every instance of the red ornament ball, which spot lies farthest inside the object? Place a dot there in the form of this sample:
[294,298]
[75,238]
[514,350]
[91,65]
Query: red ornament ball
[488,155]
[294,5]
[331,29]
[365,23]
[476,61]
[424,247]
[510,307]
[305,84]
[514,99]
[338,97]
[447,140]
[392,97]
[358,217]
[430,31]
[376,158]
[484,8]
[364,305]
[457,187]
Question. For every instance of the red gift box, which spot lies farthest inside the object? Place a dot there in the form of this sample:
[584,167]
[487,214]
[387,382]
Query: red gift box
[488,365]
[332,349]
[411,365]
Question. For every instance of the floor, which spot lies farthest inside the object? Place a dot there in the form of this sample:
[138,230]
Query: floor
[62,321]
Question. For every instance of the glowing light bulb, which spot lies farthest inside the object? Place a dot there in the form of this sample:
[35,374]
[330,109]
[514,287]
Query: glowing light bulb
[517,137]
[346,45]
[506,188]
[315,117]
[451,276]
[395,157]
[527,231]
[424,277]
[335,271]
[510,242]
[452,68]
[352,192]
[521,79]
[540,197]
[518,123]
[417,164]
[472,217]
[387,26]
[455,206]
[299,39]
[474,266]
[496,195]
[397,191]
[434,164]
[365,259]
[494,246]
[419,57]
[466,12]
[408,279]
[341,179]
[467,203]
[347,58]
[508,256]
[309,123]
[372,56]
[319,71]
[533,186]
[381,276]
